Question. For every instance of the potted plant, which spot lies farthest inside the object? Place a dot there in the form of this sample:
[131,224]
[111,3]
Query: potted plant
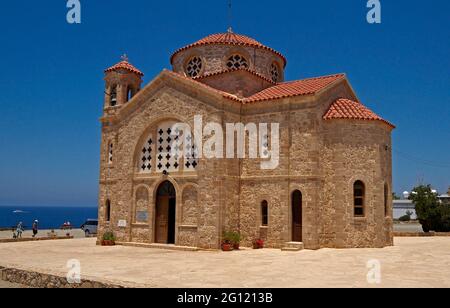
[236,240]
[258,244]
[108,239]
[227,242]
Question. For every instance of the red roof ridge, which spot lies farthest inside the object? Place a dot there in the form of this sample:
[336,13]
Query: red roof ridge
[344,108]
[124,64]
[236,70]
[314,78]
[294,88]
[277,91]
[229,38]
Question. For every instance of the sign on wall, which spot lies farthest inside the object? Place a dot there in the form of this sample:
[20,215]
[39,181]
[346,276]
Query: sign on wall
[142,216]
[122,224]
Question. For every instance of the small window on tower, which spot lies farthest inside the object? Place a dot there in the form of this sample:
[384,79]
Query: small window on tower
[194,67]
[237,62]
[110,153]
[275,72]
[113,95]
[129,94]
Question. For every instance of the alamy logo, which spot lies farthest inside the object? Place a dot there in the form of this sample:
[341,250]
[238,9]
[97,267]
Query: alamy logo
[374,14]
[74,13]
[209,140]
[374,274]
[74,274]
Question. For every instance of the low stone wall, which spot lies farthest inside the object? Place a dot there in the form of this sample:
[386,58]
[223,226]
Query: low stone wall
[19,240]
[420,234]
[39,280]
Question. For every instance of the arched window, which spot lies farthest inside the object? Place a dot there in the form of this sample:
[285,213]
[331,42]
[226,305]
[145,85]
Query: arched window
[108,211]
[359,192]
[237,62]
[264,213]
[129,94]
[168,149]
[386,200]
[113,96]
[110,153]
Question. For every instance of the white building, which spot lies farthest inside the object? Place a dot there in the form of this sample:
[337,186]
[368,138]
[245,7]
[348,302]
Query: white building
[402,207]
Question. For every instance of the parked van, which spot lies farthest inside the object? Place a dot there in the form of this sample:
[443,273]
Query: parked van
[90,227]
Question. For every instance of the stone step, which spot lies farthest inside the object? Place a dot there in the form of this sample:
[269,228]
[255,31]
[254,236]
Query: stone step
[293,246]
[158,246]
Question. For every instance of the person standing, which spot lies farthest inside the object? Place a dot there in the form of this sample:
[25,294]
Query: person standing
[35,228]
[19,230]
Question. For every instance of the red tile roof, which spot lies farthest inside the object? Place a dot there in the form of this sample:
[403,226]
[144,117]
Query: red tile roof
[294,88]
[228,39]
[235,70]
[347,109]
[124,65]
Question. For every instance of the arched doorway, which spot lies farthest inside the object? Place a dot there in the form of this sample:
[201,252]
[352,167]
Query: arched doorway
[297,216]
[165,215]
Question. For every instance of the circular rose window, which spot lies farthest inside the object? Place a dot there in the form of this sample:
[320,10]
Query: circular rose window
[237,62]
[194,67]
[275,72]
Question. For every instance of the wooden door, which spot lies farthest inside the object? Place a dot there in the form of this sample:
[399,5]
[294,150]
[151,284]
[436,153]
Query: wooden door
[162,220]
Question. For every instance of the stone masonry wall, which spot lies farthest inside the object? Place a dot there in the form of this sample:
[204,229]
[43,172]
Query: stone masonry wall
[321,159]
[214,58]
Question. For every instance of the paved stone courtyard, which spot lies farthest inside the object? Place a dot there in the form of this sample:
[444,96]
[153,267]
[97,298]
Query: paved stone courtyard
[413,262]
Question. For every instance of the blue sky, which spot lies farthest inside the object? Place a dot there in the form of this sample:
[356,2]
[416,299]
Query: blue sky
[52,88]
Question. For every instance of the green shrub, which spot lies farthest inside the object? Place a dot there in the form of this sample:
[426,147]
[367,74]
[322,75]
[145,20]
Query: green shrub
[405,218]
[232,237]
[431,213]
[109,236]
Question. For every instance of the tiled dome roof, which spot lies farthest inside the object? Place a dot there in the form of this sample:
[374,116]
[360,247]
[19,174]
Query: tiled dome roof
[228,38]
[349,109]
[124,65]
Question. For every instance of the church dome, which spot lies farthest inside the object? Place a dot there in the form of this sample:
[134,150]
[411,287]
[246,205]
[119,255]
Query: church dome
[228,38]
[218,53]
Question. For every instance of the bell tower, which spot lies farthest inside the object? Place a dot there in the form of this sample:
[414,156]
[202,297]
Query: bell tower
[122,82]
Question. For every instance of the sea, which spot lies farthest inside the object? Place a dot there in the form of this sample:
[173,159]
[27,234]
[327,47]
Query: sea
[48,217]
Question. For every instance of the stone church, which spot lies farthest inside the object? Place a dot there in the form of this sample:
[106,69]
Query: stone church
[331,188]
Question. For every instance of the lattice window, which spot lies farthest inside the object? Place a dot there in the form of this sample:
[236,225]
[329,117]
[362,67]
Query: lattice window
[275,72]
[146,156]
[237,62]
[191,154]
[194,67]
[110,153]
[166,159]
